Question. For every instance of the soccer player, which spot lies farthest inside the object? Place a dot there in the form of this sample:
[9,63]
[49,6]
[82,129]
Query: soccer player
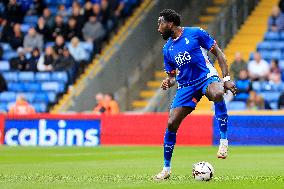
[186,62]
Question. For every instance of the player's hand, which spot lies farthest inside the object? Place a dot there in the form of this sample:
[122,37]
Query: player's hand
[167,83]
[229,85]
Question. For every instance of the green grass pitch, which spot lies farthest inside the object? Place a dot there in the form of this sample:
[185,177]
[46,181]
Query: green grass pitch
[133,167]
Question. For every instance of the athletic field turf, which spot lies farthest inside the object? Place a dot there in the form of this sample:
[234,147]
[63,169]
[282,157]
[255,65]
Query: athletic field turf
[133,167]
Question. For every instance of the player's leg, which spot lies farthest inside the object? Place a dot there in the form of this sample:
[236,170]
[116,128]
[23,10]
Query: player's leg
[215,92]
[175,118]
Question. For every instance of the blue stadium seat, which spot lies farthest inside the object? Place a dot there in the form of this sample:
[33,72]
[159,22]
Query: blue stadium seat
[26,76]
[41,97]
[278,45]
[16,87]
[48,44]
[10,76]
[265,45]
[51,97]
[25,28]
[270,96]
[31,19]
[46,97]
[282,36]
[42,76]
[281,64]
[4,65]
[236,105]
[273,105]
[87,46]
[271,36]
[256,86]
[32,86]
[8,96]
[53,10]
[53,86]
[59,76]
[3,107]
[9,54]
[40,107]
[30,97]
[268,55]
[6,47]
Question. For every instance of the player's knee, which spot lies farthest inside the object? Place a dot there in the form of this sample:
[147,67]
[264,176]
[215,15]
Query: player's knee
[218,96]
[172,125]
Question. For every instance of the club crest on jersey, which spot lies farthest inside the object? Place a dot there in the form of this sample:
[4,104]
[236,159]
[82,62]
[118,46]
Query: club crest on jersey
[186,41]
[182,58]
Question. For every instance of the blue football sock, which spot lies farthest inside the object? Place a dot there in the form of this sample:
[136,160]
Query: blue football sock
[169,144]
[222,118]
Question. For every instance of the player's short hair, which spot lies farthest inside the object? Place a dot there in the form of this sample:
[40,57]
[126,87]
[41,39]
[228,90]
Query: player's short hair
[171,15]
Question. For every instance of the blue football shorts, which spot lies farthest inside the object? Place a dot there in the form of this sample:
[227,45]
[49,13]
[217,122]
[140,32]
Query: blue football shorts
[189,96]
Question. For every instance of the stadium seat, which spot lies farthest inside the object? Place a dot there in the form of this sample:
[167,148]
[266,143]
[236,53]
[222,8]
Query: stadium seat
[16,87]
[282,36]
[10,76]
[272,54]
[256,86]
[8,96]
[3,107]
[59,76]
[4,65]
[46,97]
[274,105]
[270,96]
[33,86]
[6,47]
[42,76]
[53,86]
[270,45]
[271,36]
[26,76]
[265,45]
[25,28]
[51,97]
[49,44]
[29,96]
[281,64]
[9,54]
[87,46]
[236,105]
[40,107]
[31,19]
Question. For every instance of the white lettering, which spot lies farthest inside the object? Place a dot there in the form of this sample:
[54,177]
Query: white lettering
[61,132]
[9,137]
[44,133]
[28,137]
[44,136]
[71,134]
[91,138]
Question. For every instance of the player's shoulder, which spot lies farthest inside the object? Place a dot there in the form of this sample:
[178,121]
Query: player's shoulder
[192,30]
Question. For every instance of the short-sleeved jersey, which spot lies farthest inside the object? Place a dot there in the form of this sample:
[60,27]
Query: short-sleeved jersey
[188,56]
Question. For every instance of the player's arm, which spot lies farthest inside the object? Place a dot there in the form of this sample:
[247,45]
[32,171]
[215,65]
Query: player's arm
[169,81]
[228,84]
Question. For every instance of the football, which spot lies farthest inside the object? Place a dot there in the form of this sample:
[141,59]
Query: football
[202,171]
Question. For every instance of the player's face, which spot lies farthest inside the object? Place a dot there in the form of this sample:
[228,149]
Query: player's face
[164,28]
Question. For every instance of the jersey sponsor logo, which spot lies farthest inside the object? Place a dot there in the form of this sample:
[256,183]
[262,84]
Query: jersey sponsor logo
[182,58]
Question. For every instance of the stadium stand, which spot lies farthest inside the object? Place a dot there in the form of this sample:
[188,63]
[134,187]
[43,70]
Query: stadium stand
[43,89]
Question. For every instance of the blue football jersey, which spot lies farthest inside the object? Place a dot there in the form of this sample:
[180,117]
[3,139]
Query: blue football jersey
[188,56]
